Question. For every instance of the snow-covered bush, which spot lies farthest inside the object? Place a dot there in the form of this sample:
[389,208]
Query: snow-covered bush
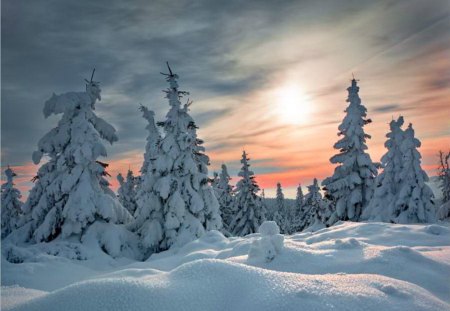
[269,245]
[350,187]
[11,204]
[114,240]
[249,210]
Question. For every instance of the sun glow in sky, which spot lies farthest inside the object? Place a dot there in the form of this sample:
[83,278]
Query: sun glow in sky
[267,76]
[292,104]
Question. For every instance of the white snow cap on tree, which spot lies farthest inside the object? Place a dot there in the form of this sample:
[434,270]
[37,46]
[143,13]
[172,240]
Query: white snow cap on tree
[249,210]
[414,202]
[184,204]
[225,197]
[350,187]
[127,191]
[70,193]
[11,204]
[387,184]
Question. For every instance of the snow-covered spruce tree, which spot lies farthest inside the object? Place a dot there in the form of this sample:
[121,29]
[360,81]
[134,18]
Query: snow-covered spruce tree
[148,215]
[127,191]
[249,210]
[319,211]
[225,197]
[211,211]
[214,183]
[350,187]
[280,214]
[184,200]
[70,196]
[11,204]
[295,210]
[414,202]
[153,140]
[299,198]
[387,182]
[444,180]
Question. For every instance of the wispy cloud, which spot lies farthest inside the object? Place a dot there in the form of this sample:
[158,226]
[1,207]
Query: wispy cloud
[231,56]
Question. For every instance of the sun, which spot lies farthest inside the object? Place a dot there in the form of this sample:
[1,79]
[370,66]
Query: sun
[292,104]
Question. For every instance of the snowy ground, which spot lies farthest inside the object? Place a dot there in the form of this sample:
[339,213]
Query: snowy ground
[351,266]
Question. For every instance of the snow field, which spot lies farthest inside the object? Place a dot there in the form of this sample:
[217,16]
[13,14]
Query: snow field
[350,266]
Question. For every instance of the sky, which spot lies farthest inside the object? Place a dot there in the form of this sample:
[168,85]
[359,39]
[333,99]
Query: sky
[269,77]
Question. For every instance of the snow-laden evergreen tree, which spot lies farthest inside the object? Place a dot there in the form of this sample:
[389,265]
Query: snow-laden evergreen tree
[319,211]
[153,139]
[215,183]
[211,211]
[148,215]
[444,180]
[299,198]
[387,183]
[127,191]
[249,210]
[414,202]
[70,196]
[295,212]
[280,213]
[11,204]
[185,204]
[350,187]
[225,197]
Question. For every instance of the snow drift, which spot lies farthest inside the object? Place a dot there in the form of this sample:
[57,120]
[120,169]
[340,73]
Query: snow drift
[351,266]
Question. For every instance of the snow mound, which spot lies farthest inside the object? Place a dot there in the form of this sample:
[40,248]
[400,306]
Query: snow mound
[250,289]
[350,266]
[269,228]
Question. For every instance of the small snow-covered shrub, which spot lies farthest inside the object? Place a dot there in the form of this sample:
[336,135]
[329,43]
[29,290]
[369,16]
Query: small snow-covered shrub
[114,240]
[269,245]
[37,252]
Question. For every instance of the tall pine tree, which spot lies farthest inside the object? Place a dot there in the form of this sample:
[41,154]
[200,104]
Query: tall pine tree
[185,205]
[250,212]
[71,196]
[350,187]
